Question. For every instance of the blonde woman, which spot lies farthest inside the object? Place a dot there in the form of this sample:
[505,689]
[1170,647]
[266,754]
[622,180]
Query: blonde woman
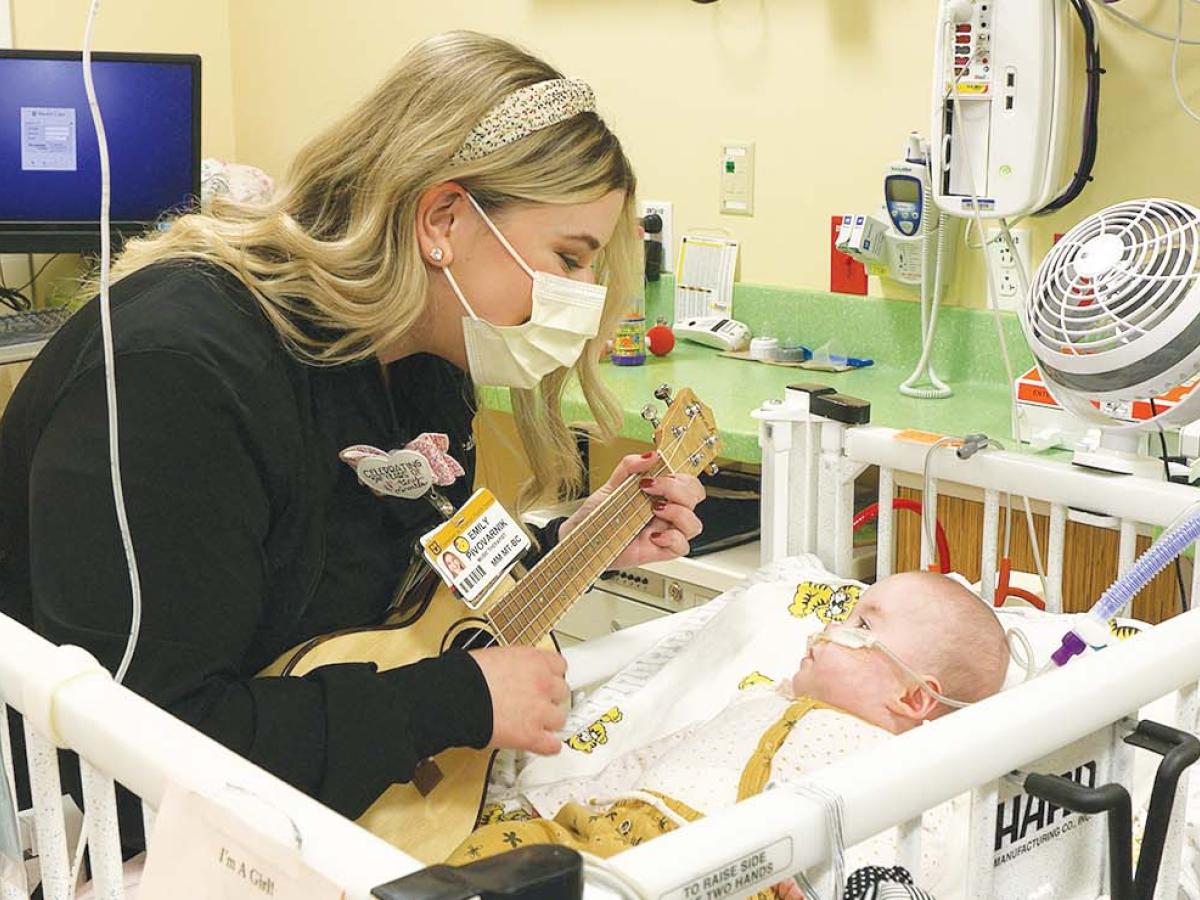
[399,265]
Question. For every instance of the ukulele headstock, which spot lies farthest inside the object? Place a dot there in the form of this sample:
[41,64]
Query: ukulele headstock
[686,437]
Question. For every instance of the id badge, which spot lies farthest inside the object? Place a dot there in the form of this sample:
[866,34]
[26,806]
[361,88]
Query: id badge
[475,547]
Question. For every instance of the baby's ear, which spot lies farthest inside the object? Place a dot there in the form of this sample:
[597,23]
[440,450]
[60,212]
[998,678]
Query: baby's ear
[915,703]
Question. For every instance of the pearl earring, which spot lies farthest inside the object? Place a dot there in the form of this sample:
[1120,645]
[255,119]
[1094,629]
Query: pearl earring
[436,254]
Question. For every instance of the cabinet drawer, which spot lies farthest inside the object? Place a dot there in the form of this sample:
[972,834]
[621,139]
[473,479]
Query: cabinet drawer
[599,612]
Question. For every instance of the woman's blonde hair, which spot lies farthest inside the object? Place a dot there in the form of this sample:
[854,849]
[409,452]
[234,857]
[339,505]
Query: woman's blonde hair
[337,249]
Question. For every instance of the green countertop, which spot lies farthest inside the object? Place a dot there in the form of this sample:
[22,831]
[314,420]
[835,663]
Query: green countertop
[967,356]
[734,388]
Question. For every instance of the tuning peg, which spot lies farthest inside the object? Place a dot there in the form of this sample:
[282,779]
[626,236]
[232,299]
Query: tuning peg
[650,414]
[714,469]
[663,393]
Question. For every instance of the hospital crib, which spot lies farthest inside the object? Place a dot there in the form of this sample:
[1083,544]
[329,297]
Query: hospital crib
[810,463]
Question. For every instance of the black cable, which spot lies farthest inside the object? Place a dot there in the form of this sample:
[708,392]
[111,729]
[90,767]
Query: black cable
[1162,440]
[36,275]
[1091,117]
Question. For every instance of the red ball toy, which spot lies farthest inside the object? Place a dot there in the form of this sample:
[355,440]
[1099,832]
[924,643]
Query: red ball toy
[660,339]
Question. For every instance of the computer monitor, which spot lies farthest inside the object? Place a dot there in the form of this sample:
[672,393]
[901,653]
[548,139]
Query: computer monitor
[49,156]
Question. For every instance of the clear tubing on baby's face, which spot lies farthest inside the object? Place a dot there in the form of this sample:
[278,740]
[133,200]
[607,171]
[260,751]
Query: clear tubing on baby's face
[860,639]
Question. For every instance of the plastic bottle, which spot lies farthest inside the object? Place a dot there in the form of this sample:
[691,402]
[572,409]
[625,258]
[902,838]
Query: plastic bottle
[629,345]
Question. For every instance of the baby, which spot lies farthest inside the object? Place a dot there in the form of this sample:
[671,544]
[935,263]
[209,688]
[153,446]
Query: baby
[941,642]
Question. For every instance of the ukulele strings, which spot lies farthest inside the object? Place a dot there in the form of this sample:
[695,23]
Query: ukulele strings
[620,505]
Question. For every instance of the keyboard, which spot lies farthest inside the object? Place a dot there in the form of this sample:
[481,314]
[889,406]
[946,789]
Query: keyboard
[32,326]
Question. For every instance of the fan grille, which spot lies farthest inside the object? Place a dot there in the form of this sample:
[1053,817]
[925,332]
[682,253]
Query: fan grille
[1113,279]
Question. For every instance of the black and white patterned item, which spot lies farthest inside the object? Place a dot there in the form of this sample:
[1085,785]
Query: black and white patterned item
[879,883]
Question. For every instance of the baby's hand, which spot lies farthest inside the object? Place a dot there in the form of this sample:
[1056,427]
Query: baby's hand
[788,890]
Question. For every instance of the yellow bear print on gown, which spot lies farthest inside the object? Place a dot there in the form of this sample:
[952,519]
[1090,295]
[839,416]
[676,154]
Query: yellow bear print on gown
[829,603]
[588,739]
[754,678]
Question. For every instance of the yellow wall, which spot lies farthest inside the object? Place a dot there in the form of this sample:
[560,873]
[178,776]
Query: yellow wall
[827,88]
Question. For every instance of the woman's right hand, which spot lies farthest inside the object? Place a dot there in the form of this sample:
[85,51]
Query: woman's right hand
[528,687]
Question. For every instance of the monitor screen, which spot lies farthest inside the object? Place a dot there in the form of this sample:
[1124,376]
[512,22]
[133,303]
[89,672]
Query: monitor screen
[49,157]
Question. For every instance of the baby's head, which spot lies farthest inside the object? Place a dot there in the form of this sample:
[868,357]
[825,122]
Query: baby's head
[936,626]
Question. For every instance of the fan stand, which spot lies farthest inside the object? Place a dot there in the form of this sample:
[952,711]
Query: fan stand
[1118,452]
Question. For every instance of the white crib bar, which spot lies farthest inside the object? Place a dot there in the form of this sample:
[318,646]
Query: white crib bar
[775,439]
[6,753]
[46,788]
[805,505]
[103,836]
[991,535]
[1167,887]
[1054,557]
[148,817]
[929,508]
[1191,597]
[1126,552]
[885,545]
[908,847]
[1120,771]
[1127,549]
[981,868]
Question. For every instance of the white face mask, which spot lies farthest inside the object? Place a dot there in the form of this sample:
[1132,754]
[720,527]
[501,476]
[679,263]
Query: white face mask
[565,315]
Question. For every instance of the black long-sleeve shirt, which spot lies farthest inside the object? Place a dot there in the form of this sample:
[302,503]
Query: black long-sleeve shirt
[250,534]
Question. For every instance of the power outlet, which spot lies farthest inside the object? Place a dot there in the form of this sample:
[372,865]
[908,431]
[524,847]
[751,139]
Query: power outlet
[665,209]
[1009,271]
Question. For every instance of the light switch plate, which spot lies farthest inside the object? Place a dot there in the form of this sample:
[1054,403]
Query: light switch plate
[737,178]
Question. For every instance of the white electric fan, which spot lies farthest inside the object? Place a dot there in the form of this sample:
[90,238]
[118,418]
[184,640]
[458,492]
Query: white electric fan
[1113,319]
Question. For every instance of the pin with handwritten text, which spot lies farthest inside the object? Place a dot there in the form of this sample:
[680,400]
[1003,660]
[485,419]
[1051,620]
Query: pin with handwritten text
[408,473]
[475,547]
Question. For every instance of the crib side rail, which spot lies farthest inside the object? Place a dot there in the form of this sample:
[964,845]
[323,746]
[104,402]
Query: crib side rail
[895,781]
[121,736]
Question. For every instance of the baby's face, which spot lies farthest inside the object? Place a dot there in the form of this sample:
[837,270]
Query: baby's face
[863,681]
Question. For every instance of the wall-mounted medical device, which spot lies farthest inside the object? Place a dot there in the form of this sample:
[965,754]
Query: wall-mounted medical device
[890,243]
[1002,105]
[914,243]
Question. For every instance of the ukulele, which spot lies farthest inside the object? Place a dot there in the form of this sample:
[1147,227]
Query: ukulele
[431,815]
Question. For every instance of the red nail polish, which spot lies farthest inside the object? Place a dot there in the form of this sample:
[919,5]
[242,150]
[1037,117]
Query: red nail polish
[646,482]
[658,504]
[648,455]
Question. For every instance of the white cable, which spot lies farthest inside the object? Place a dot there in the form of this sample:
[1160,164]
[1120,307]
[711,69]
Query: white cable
[110,384]
[1142,27]
[924,370]
[1026,660]
[928,518]
[835,816]
[995,306]
[1183,104]
[110,380]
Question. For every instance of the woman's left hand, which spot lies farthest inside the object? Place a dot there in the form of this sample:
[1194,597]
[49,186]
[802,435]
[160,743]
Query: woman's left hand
[674,523]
